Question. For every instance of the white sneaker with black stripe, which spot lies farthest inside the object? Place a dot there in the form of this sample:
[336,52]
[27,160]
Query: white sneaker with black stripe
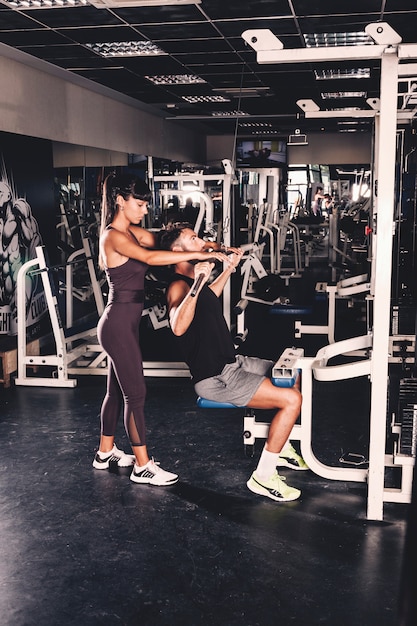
[102,460]
[152,474]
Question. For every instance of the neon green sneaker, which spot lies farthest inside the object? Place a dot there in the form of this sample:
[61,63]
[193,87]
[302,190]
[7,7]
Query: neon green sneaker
[288,457]
[275,488]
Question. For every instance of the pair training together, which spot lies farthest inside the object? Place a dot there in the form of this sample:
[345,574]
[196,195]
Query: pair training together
[196,319]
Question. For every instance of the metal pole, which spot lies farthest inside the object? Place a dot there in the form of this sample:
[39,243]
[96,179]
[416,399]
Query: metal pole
[385,180]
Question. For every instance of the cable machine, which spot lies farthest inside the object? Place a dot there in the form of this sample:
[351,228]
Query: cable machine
[77,351]
[389,50]
[176,185]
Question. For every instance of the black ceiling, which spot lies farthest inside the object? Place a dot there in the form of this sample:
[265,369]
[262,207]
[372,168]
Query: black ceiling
[205,40]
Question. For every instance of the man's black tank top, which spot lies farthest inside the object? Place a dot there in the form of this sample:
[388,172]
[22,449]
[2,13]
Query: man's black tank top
[206,346]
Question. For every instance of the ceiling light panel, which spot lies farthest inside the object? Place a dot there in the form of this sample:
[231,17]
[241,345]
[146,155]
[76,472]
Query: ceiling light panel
[176,79]
[256,125]
[362,72]
[200,99]
[126,49]
[265,132]
[26,5]
[115,4]
[228,113]
[346,126]
[243,92]
[317,40]
[99,4]
[330,95]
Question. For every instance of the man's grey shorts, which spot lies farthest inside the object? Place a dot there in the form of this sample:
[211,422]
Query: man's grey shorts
[238,381]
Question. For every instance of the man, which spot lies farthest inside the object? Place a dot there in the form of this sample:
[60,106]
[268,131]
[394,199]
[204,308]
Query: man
[196,318]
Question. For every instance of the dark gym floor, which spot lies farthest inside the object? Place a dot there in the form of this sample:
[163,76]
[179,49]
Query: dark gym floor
[87,547]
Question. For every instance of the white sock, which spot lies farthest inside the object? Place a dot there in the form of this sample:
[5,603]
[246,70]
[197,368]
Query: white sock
[267,464]
[104,454]
[141,467]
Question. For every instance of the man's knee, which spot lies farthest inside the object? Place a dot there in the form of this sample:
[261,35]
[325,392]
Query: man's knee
[295,400]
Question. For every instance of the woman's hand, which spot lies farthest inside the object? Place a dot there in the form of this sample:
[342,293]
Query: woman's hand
[235,257]
[218,256]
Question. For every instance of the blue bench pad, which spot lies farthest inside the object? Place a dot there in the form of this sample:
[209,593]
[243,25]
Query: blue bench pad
[290,309]
[211,404]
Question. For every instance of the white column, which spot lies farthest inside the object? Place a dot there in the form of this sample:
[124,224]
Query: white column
[385,179]
[227,240]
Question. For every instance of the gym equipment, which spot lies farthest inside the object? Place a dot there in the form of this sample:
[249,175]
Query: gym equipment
[206,210]
[345,288]
[8,357]
[187,184]
[275,228]
[288,237]
[84,292]
[285,372]
[76,353]
[390,51]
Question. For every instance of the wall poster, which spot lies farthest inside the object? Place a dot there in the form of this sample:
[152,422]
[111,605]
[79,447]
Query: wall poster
[27,220]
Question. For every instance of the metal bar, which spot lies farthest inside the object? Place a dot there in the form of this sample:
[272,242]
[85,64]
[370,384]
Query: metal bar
[331,53]
[385,178]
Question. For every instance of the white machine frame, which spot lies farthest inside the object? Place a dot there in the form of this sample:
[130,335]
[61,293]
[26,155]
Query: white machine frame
[79,353]
[207,208]
[76,353]
[390,51]
[317,367]
[345,288]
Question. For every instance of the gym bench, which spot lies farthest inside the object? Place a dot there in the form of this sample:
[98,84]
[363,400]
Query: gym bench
[284,374]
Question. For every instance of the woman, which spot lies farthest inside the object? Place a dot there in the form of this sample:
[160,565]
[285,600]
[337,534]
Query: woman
[125,253]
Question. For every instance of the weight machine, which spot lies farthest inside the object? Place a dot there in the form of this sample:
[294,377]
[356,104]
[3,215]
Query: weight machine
[75,353]
[206,219]
[391,52]
[277,228]
[345,289]
[79,353]
[319,368]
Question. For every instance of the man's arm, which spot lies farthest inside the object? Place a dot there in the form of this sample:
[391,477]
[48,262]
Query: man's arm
[218,285]
[181,304]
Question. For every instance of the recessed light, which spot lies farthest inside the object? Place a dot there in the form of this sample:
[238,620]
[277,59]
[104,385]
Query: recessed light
[118,4]
[44,4]
[364,72]
[329,95]
[198,99]
[126,49]
[176,79]
[317,40]
[228,113]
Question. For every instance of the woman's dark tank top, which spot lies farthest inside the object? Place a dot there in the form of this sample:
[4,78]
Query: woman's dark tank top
[206,346]
[126,282]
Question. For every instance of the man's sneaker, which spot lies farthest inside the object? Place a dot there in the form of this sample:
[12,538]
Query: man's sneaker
[153,474]
[275,488]
[288,457]
[102,460]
